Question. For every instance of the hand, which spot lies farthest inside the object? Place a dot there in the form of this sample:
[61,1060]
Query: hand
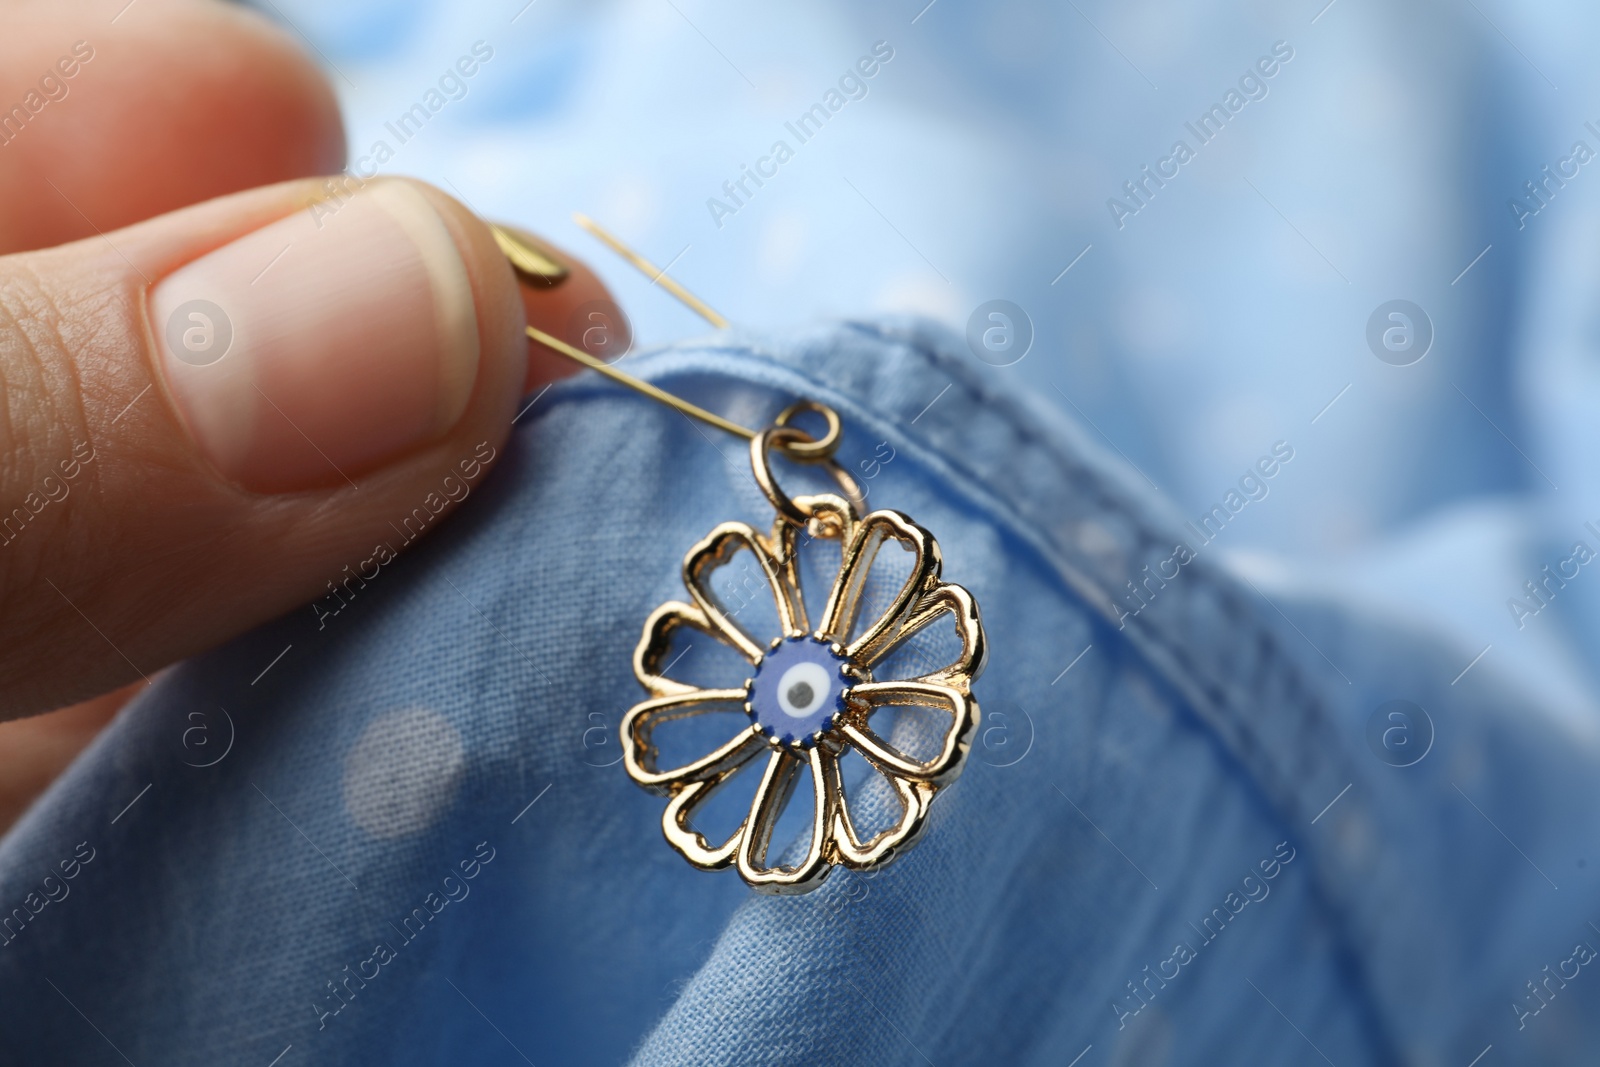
[208,407]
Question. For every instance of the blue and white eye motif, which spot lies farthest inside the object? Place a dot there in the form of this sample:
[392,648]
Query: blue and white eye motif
[802,689]
[798,689]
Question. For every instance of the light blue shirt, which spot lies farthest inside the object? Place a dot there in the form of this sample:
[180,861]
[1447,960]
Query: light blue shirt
[1196,826]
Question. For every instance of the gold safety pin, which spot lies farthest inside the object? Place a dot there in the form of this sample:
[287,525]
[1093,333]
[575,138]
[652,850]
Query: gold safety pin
[641,385]
[512,241]
[657,276]
[795,443]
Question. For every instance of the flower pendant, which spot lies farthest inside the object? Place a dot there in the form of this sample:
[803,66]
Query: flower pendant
[812,689]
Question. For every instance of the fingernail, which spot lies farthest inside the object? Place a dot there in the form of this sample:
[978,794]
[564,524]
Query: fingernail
[535,261]
[316,348]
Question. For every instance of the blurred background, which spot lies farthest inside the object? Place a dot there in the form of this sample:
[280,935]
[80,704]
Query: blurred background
[1337,157]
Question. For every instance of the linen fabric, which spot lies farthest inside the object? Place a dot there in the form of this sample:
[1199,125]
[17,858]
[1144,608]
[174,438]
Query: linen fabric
[425,761]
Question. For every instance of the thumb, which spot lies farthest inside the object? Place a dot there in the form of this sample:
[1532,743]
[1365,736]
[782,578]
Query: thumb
[206,417]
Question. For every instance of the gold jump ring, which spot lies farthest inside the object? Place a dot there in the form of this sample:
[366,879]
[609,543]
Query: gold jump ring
[785,438]
[808,449]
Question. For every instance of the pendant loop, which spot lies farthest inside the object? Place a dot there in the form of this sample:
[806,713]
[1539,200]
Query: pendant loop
[808,450]
[798,445]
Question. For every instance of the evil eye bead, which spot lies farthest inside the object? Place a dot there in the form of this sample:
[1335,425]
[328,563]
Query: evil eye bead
[803,689]
[798,690]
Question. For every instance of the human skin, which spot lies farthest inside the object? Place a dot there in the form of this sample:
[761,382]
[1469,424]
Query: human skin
[194,126]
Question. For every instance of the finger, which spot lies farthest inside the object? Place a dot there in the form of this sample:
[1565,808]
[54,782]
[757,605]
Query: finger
[211,414]
[104,123]
[579,310]
[35,750]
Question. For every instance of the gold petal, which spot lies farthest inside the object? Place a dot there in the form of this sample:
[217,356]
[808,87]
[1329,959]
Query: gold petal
[942,768]
[714,551]
[639,754]
[952,600]
[915,798]
[772,797]
[656,641]
[844,602]
[833,519]
[677,824]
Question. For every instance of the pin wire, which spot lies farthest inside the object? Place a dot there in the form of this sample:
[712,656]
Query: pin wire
[642,386]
